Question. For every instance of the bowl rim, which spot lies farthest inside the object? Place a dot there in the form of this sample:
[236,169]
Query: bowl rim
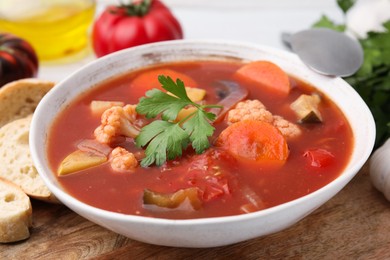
[347,174]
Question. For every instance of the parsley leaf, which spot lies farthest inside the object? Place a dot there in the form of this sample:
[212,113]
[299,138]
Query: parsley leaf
[177,89]
[166,139]
[157,102]
[325,22]
[199,129]
[345,5]
[372,81]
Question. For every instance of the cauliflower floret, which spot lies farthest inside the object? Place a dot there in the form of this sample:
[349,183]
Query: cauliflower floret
[288,129]
[123,160]
[249,110]
[117,121]
[255,110]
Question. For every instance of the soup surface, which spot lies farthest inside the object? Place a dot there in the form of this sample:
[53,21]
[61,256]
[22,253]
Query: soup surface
[263,152]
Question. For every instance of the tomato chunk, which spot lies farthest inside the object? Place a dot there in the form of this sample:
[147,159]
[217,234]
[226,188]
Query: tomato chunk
[319,157]
[209,172]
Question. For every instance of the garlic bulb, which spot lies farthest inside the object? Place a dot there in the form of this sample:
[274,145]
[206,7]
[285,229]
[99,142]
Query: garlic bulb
[380,169]
[367,15]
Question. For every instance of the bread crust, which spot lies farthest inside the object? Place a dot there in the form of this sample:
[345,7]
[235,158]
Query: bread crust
[16,164]
[19,98]
[16,213]
[18,177]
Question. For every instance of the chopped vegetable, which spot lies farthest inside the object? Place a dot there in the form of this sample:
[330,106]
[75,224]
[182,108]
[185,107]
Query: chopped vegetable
[195,94]
[94,146]
[250,109]
[372,81]
[255,203]
[319,157]
[232,94]
[165,138]
[306,108]
[268,74]
[288,129]
[211,173]
[254,140]
[98,107]
[80,160]
[185,113]
[122,160]
[255,110]
[173,200]
[115,122]
[149,79]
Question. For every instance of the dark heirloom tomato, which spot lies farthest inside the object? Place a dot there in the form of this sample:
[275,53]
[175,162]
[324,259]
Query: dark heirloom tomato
[17,59]
[124,26]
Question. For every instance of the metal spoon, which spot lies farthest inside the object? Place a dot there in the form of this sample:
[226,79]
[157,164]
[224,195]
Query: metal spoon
[326,51]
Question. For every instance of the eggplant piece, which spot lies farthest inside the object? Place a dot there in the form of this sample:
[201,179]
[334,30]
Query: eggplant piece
[306,108]
[173,200]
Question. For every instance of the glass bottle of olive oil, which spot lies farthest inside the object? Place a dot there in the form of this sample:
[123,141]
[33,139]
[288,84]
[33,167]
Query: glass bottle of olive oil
[55,28]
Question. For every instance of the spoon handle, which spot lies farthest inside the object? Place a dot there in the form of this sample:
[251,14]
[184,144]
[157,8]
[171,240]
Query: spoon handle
[286,39]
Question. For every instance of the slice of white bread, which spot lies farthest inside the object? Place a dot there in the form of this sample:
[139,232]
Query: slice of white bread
[19,98]
[16,213]
[16,164]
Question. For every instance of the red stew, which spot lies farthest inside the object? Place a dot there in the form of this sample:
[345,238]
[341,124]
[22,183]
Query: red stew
[226,184]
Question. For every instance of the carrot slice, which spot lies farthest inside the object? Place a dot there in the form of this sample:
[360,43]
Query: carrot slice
[268,74]
[149,79]
[254,140]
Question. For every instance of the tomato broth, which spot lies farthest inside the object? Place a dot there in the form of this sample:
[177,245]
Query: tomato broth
[227,184]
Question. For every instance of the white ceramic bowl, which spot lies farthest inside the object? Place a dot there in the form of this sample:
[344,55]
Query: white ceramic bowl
[208,232]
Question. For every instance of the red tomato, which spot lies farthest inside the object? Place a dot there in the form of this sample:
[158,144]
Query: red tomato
[319,157]
[17,59]
[209,172]
[124,26]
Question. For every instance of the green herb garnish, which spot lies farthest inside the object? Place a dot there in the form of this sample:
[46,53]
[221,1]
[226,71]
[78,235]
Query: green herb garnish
[325,22]
[345,5]
[166,139]
[372,81]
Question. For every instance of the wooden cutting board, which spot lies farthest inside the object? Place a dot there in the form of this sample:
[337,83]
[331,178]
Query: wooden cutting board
[355,224]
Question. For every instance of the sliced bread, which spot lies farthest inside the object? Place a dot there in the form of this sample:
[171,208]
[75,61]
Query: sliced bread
[16,164]
[19,98]
[16,213]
